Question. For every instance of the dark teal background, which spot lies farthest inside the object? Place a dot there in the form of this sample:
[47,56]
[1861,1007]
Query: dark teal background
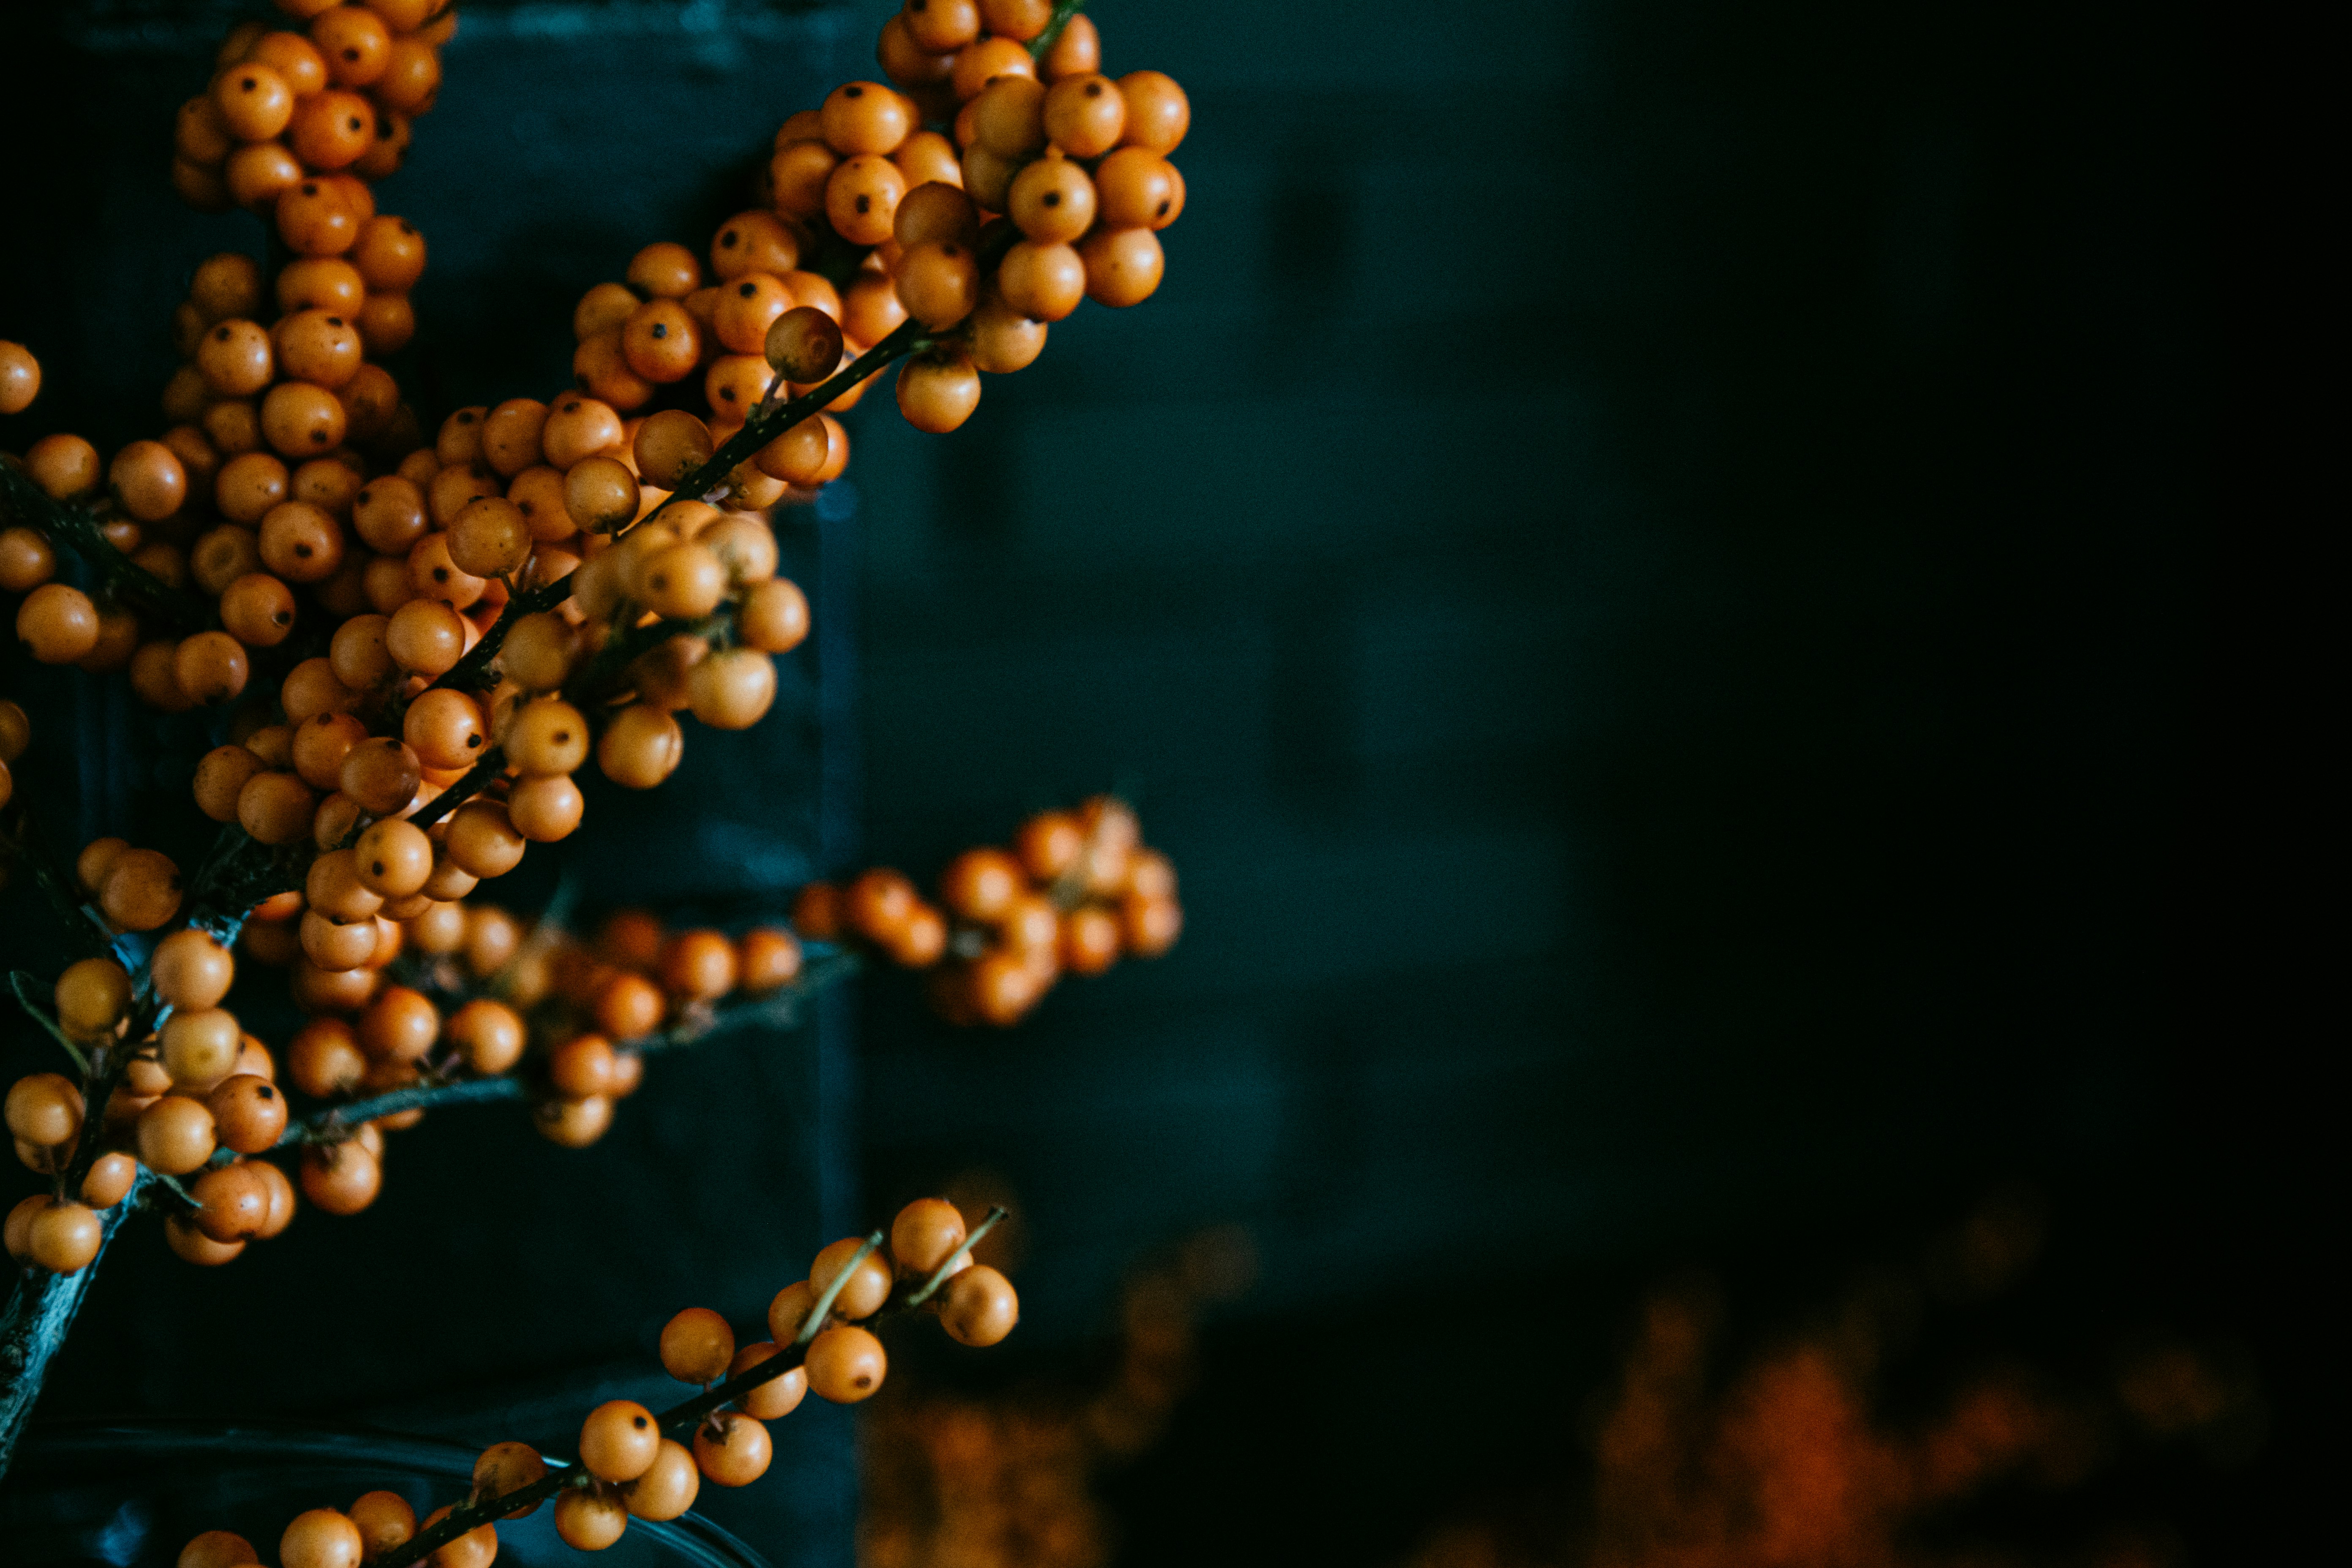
[1660,570]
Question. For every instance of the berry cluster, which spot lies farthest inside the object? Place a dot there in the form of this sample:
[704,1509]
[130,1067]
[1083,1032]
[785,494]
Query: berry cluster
[196,1097]
[407,647]
[1076,889]
[635,1464]
[284,108]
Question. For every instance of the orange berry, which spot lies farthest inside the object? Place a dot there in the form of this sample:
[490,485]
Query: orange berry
[660,341]
[669,1485]
[925,1233]
[868,1285]
[985,61]
[767,958]
[44,1108]
[58,625]
[1077,52]
[641,747]
[255,103]
[478,1547]
[979,1306]
[1052,200]
[590,1521]
[863,117]
[1042,280]
[731,1448]
[1086,115]
[772,618]
[1158,113]
[801,171]
[142,889]
[1149,925]
[331,128]
[753,242]
[619,1440]
[861,198]
[384,1519]
[665,271]
[669,445]
[110,1179]
[175,1135]
[248,1114]
[629,1006]
[483,842]
[65,1237]
[846,1365]
[696,1346]
[341,1178]
[1001,340]
[488,1034]
[937,390]
[939,282]
[1018,19]
[941,26]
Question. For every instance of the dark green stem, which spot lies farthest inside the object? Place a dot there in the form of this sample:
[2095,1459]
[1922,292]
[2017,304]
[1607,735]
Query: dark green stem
[777,1008]
[33,1328]
[72,528]
[1045,41]
[763,427]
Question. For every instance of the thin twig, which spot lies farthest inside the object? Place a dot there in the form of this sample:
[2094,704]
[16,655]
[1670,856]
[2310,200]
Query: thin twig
[763,427]
[1045,41]
[73,529]
[940,1275]
[340,1121]
[41,1015]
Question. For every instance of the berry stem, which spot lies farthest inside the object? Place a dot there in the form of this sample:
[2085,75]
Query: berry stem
[1045,41]
[778,1008]
[763,427]
[945,1271]
[53,873]
[832,1292]
[73,529]
[33,1328]
[40,1014]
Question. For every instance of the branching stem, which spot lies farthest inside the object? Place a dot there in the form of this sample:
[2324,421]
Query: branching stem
[73,528]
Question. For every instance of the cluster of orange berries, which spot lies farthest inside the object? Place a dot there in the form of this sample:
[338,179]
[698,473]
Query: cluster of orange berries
[264,419]
[284,108]
[629,1467]
[1076,891]
[197,1097]
[1051,189]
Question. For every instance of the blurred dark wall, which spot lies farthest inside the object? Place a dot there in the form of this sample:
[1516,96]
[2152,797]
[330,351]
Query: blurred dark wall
[1642,563]
[1658,570]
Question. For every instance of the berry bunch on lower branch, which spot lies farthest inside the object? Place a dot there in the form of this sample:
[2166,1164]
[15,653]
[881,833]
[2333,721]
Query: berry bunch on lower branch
[635,1463]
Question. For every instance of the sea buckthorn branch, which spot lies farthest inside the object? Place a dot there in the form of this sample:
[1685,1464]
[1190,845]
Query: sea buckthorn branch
[33,1328]
[337,1122]
[778,1008]
[788,1356]
[72,528]
[703,483]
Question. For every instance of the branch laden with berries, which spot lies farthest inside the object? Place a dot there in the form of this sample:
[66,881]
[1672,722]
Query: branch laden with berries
[635,1464]
[406,647]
